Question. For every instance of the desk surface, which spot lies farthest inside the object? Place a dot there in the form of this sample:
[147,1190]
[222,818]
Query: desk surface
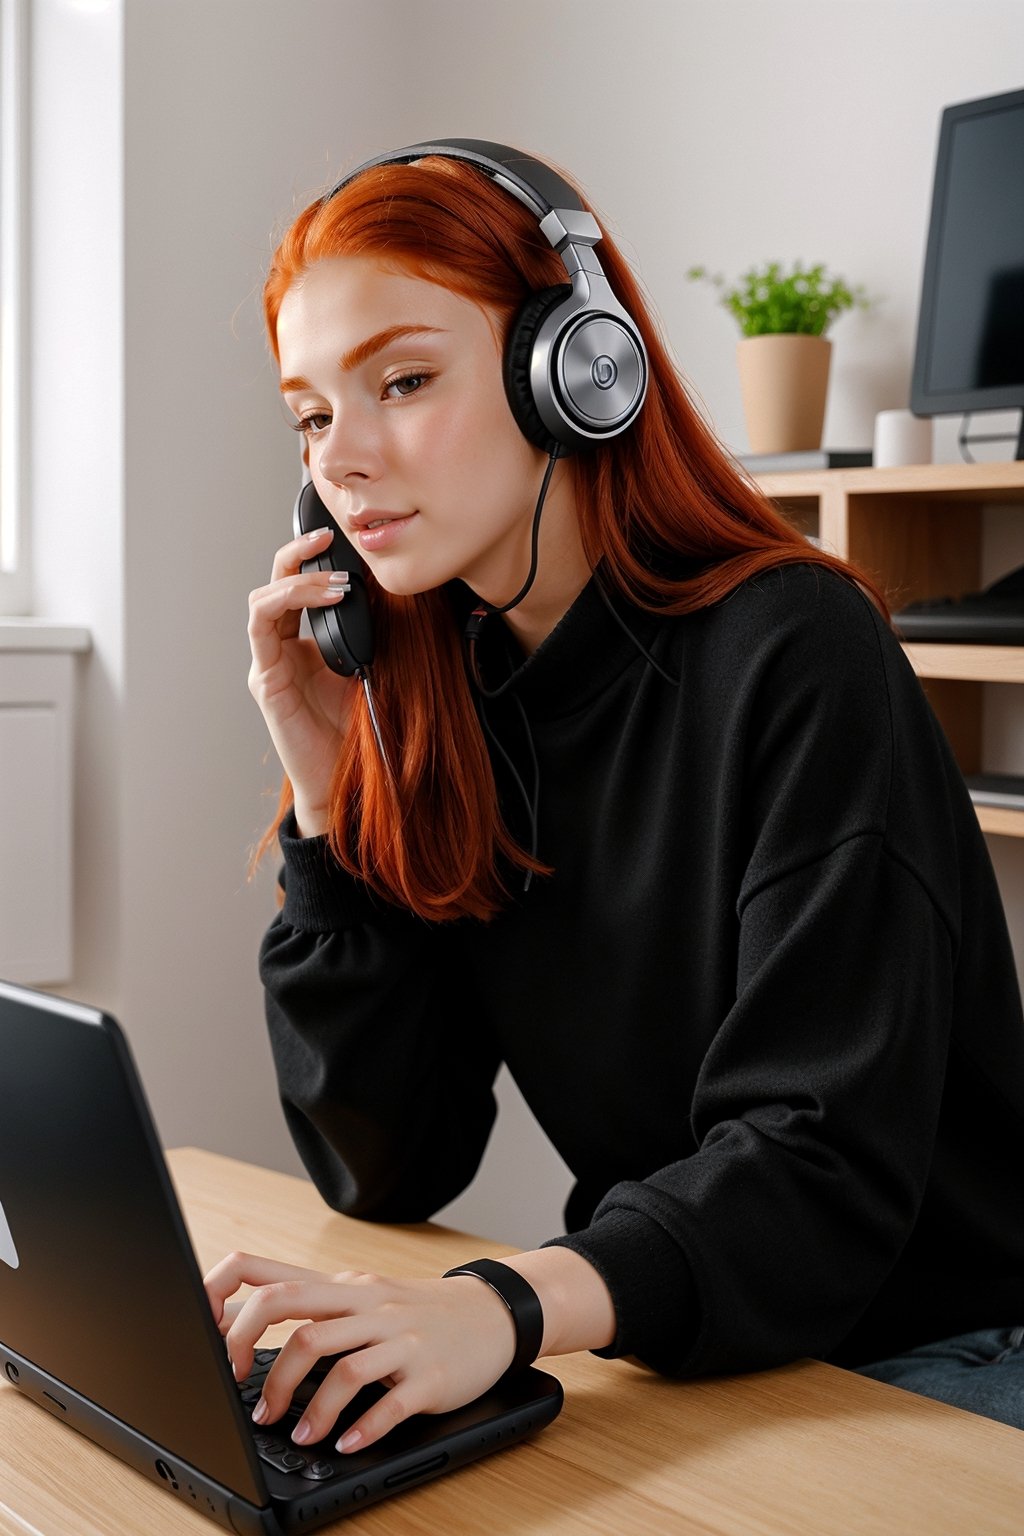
[807,1450]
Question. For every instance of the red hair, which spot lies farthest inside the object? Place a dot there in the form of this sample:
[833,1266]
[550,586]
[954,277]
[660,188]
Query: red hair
[665,490]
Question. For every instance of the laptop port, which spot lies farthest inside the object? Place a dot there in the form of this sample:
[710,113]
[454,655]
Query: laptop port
[413,1474]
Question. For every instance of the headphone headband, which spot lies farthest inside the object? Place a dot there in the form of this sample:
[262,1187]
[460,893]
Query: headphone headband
[575,364]
[530,180]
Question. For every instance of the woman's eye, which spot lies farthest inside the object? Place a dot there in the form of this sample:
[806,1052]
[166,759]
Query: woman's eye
[406,384]
[311,424]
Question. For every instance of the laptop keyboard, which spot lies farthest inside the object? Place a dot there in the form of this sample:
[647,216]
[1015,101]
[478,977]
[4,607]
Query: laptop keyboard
[274,1443]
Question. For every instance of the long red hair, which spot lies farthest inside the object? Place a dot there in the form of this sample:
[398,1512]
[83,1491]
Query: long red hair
[433,840]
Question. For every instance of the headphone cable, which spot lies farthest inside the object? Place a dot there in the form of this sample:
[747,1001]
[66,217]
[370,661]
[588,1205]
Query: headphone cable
[363,674]
[484,609]
[620,621]
[532,802]
[473,628]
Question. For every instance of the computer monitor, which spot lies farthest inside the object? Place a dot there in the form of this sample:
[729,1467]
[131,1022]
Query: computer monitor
[970,337]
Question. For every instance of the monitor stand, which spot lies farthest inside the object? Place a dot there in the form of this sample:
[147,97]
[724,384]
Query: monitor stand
[964,441]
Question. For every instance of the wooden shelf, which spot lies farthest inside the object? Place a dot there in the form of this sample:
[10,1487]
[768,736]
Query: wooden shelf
[918,532]
[966,482]
[968,663]
[1000,819]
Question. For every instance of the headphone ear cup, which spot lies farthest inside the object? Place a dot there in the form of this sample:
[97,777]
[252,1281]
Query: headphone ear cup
[516,367]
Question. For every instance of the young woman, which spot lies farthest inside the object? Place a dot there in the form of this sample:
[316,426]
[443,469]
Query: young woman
[658,815]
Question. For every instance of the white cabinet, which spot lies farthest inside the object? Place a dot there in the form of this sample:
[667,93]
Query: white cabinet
[36,780]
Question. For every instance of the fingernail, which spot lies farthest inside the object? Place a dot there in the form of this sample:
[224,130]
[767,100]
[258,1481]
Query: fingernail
[316,534]
[339,579]
[301,1432]
[350,1441]
[259,1413]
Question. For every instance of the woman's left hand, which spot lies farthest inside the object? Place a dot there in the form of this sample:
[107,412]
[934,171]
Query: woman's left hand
[435,1344]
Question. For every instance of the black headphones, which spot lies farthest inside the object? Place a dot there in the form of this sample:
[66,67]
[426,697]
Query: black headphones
[575,365]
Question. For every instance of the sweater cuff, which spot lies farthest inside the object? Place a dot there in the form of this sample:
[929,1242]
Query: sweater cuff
[651,1285]
[319,896]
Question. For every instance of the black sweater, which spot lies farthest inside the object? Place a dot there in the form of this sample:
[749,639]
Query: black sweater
[765,1007]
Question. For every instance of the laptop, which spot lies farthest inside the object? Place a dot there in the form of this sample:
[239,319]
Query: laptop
[105,1323]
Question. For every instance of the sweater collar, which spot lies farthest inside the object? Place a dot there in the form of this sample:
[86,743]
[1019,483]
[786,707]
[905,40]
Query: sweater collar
[584,652]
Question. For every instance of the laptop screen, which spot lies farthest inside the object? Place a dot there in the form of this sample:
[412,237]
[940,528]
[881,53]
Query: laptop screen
[106,1295]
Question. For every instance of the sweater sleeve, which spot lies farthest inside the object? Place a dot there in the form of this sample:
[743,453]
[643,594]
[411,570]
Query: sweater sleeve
[815,1115]
[815,1111]
[384,1074]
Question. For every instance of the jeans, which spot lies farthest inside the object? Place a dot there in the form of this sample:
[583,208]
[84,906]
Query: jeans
[982,1372]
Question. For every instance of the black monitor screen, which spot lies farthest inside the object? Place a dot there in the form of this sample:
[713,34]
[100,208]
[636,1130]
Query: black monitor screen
[970,342]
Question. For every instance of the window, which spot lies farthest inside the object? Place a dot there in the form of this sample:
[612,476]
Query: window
[14,587]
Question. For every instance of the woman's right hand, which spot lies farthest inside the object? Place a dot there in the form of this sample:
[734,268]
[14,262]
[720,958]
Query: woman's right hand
[305,704]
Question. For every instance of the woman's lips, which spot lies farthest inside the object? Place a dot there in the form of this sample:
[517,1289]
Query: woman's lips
[383,534]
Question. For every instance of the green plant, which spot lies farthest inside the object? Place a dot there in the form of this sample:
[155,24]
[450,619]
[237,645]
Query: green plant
[768,301]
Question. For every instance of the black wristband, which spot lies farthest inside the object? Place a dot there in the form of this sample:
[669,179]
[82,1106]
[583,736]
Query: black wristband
[522,1301]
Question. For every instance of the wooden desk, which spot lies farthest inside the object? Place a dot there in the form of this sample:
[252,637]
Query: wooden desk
[803,1451]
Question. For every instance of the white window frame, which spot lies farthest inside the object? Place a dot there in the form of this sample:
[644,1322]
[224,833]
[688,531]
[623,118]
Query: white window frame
[15,591]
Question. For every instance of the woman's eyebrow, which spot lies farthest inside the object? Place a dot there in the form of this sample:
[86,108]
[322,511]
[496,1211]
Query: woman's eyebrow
[364,350]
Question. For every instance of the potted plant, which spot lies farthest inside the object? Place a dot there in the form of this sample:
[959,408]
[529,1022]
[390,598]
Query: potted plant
[784,357]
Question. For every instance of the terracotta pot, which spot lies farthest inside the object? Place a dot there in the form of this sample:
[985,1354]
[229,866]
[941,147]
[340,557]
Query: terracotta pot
[784,382]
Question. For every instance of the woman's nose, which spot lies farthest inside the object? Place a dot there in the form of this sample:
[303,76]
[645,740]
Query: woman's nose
[350,451]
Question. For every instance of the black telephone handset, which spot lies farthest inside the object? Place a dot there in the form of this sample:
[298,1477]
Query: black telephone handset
[344,631]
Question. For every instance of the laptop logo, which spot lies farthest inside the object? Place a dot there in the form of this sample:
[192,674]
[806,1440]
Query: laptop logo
[8,1252]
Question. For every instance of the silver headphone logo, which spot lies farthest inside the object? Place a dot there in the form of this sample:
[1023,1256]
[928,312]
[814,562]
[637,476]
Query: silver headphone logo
[603,371]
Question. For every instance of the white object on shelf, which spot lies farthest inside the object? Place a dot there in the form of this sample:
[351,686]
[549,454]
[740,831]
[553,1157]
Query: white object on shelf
[901,438]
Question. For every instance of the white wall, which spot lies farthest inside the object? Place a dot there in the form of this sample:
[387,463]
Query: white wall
[76,279]
[172,136]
